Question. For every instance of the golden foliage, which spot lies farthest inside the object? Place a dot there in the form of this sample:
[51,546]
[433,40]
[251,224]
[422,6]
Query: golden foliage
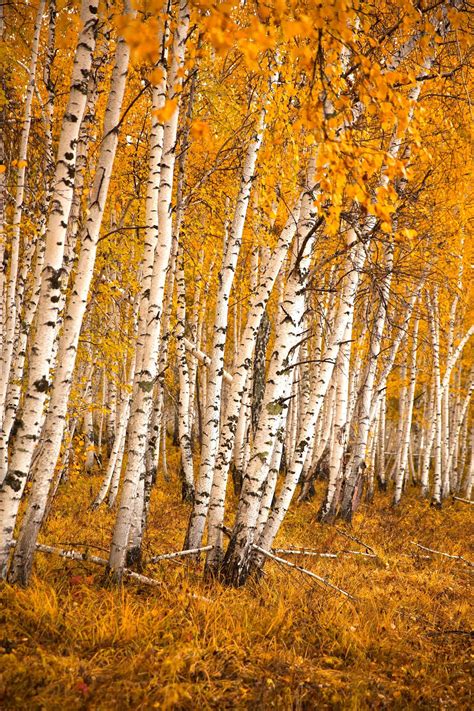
[282,642]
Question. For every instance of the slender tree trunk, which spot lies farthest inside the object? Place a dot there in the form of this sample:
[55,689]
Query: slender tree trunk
[380,456]
[344,315]
[29,425]
[470,475]
[240,382]
[340,425]
[437,411]
[212,409]
[401,472]
[237,560]
[68,344]
[14,250]
[145,377]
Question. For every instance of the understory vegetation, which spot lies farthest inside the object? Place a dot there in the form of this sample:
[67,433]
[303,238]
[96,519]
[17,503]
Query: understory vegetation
[281,642]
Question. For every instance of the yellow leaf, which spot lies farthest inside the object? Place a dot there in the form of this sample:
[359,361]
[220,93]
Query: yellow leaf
[156,75]
[165,113]
[3,168]
[199,129]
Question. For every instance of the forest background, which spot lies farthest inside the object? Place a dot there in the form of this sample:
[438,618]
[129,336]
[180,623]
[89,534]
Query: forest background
[236,324]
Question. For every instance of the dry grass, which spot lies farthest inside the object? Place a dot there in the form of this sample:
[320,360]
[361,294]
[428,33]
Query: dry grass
[283,643]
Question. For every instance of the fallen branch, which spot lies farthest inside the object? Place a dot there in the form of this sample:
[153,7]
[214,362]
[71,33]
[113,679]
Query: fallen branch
[362,553]
[83,545]
[464,501]
[357,540]
[72,555]
[319,554]
[447,555]
[303,570]
[190,551]
[469,633]
[86,558]
[304,551]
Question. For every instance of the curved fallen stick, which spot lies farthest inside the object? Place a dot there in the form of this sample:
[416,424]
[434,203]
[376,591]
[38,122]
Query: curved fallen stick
[357,540]
[304,551]
[447,555]
[324,581]
[310,552]
[190,551]
[464,501]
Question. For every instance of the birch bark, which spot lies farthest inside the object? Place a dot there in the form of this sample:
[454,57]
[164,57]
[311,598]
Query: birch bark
[401,472]
[68,343]
[51,285]
[11,293]
[344,315]
[210,441]
[239,384]
[237,560]
[142,401]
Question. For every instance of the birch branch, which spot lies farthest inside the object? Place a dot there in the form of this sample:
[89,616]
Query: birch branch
[364,554]
[324,581]
[304,551]
[190,551]
[320,554]
[357,540]
[464,501]
[447,555]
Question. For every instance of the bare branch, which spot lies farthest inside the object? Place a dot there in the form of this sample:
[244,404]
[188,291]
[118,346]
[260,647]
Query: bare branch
[324,581]
[190,551]
[447,555]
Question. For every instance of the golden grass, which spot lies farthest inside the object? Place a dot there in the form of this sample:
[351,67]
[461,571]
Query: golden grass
[282,643]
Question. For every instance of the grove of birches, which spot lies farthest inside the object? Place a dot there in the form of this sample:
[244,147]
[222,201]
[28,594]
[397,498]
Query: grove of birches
[236,236]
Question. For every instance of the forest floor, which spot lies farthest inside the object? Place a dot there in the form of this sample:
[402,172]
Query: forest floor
[284,642]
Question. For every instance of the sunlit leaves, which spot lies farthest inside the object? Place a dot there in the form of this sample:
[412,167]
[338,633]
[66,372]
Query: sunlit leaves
[167,111]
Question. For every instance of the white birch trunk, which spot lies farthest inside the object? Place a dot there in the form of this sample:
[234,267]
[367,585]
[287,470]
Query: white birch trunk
[340,424]
[212,408]
[272,478]
[38,384]
[380,456]
[142,401]
[68,343]
[401,472]
[14,250]
[184,403]
[344,315]
[241,383]
[237,561]
[428,443]
[454,442]
[470,475]
[437,412]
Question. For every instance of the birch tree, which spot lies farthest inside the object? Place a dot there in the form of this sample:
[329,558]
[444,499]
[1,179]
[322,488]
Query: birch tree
[51,284]
[56,418]
[147,368]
